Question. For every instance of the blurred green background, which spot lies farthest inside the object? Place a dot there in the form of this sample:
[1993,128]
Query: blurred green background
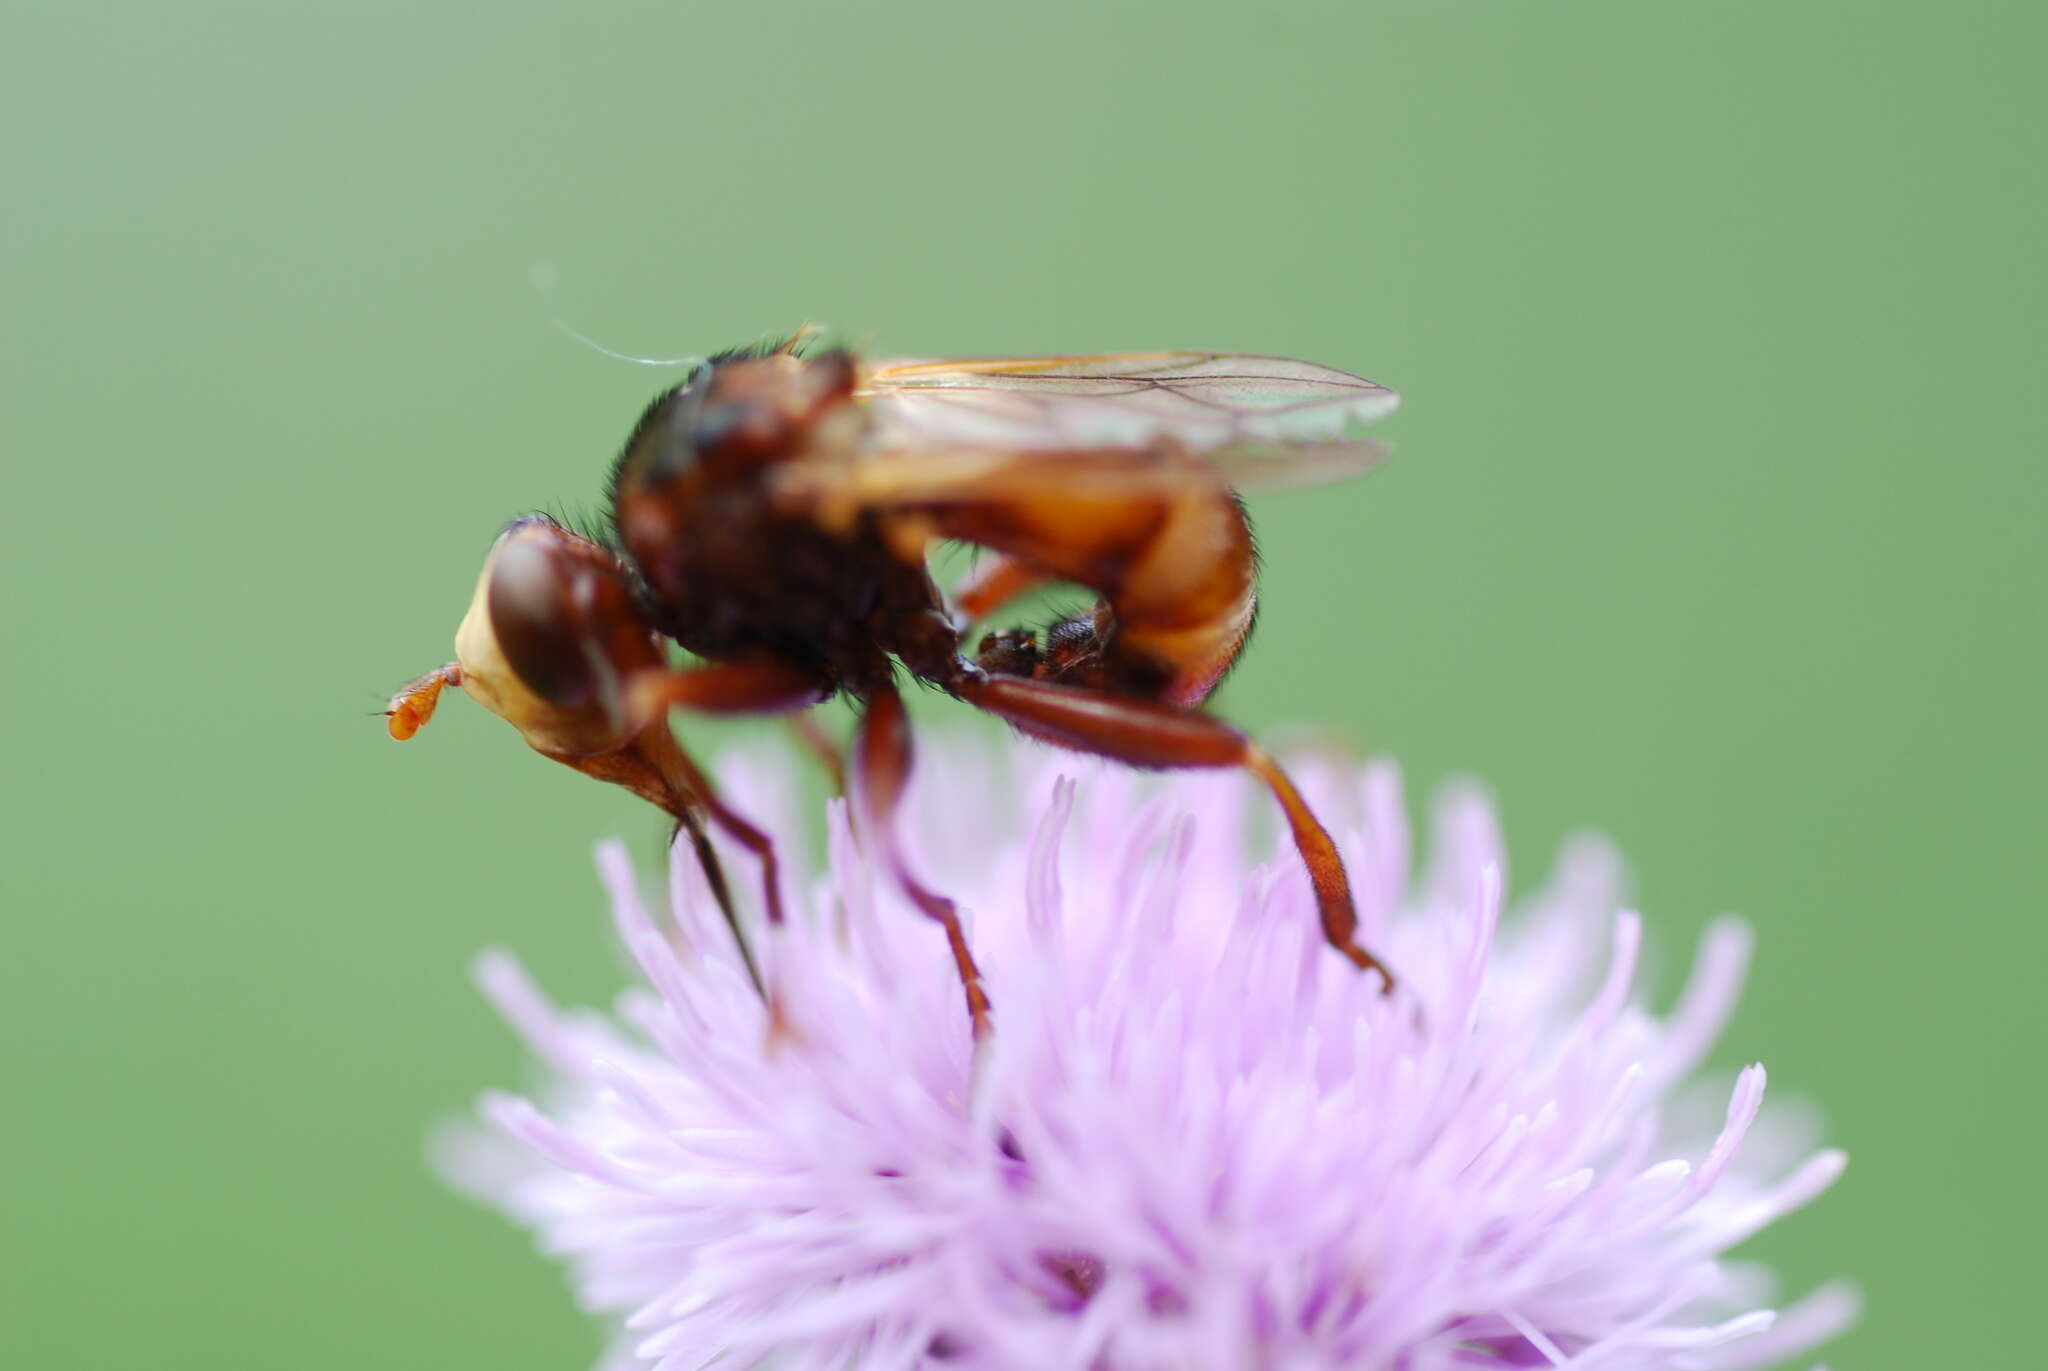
[1716,522]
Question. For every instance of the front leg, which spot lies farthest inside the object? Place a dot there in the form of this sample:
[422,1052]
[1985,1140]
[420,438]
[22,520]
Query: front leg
[655,767]
[554,642]
[763,686]
[1145,733]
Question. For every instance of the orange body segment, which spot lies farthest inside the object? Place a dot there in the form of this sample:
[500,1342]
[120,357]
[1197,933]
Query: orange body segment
[1173,561]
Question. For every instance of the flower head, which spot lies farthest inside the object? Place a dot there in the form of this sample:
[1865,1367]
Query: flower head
[1196,1137]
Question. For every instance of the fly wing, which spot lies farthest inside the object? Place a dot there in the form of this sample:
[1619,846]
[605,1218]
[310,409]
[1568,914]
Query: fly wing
[1266,422]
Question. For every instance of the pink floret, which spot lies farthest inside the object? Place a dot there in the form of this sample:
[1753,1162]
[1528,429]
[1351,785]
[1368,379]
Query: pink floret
[1197,1139]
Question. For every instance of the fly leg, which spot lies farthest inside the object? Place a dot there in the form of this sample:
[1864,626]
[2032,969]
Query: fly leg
[992,585]
[655,767]
[763,686]
[652,766]
[736,828]
[881,767]
[756,687]
[812,737]
[1145,733]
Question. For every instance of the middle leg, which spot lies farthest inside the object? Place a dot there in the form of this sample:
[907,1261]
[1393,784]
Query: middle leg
[881,769]
[812,737]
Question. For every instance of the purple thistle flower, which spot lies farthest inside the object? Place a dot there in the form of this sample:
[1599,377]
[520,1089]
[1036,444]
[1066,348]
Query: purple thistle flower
[1196,1139]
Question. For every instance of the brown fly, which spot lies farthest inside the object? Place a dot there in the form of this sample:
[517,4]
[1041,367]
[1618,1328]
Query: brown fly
[772,516]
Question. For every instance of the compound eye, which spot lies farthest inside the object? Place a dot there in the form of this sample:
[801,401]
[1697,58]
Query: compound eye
[551,638]
[540,602]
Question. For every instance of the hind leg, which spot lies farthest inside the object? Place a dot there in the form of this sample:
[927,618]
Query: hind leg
[1145,733]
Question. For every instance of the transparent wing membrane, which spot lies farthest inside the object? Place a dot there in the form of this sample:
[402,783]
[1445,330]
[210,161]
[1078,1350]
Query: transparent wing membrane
[1266,422]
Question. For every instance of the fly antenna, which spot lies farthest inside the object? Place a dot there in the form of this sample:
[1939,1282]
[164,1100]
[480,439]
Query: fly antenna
[543,277]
